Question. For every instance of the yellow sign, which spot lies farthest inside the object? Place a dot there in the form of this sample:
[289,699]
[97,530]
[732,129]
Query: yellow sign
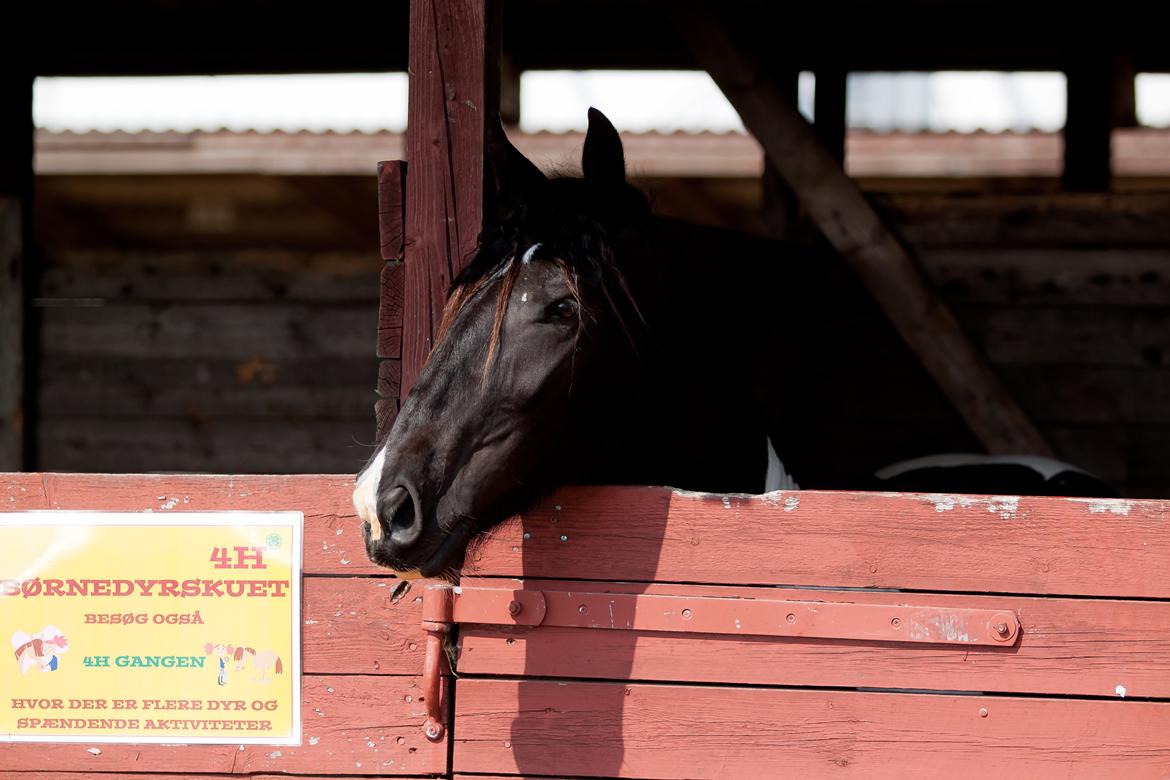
[147,628]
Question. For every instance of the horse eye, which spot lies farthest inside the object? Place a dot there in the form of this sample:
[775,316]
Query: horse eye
[565,308]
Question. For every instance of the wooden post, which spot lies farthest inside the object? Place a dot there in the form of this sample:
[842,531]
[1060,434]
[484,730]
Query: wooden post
[449,106]
[879,259]
[16,182]
[1088,126]
[392,230]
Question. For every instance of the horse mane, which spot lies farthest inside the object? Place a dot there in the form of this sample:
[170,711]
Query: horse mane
[569,233]
[239,655]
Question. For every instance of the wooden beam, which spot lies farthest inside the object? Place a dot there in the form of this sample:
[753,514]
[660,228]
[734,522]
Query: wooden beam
[16,179]
[448,105]
[1088,126]
[874,253]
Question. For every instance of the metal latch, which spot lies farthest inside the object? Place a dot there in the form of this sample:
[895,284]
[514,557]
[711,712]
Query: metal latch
[444,605]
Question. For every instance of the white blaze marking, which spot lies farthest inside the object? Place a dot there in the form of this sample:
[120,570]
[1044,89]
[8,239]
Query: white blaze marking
[365,494]
[527,257]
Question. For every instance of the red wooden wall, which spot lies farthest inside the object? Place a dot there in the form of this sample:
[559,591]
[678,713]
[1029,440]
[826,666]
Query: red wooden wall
[361,642]
[1084,691]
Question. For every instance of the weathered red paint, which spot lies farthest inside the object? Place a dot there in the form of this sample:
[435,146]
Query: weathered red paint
[976,544]
[559,728]
[1083,647]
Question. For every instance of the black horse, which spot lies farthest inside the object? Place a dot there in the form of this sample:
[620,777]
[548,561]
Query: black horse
[586,343]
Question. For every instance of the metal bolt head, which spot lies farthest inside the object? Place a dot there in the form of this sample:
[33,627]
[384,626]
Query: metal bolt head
[790,617]
[983,712]
[686,613]
[527,535]
[583,609]
[896,622]
[564,538]
[515,608]
[1002,629]
[434,731]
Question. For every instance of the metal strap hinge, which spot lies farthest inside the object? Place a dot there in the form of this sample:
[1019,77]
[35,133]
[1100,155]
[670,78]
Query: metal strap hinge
[444,605]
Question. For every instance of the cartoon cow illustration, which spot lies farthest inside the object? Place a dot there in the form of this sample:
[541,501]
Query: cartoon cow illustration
[264,663]
[39,650]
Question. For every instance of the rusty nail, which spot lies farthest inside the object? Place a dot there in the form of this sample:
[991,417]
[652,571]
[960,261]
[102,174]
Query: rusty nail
[983,712]
[515,608]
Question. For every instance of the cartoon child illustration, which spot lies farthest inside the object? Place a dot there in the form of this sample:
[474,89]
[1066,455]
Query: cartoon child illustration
[39,650]
[223,653]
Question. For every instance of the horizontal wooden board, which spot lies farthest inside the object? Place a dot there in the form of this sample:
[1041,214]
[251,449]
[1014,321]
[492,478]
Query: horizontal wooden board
[1119,219]
[362,625]
[233,331]
[353,725]
[1051,276]
[99,775]
[1068,647]
[1121,336]
[209,277]
[333,542]
[1087,547]
[670,731]
[255,388]
[273,446]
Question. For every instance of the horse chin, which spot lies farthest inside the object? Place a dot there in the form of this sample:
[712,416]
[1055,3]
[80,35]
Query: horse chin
[449,555]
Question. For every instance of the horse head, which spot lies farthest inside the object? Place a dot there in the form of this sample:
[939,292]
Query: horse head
[537,346]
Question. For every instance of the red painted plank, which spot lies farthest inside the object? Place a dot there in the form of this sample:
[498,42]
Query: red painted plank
[444,143]
[354,725]
[390,302]
[362,625]
[19,775]
[1089,547]
[668,731]
[391,207]
[1067,646]
[333,543]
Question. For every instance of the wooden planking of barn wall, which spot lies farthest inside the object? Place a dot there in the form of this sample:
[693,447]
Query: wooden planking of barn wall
[208,323]
[1066,292]
[362,644]
[1081,691]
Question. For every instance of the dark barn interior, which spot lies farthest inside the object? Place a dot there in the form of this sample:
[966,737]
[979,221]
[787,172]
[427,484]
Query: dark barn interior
[173,308]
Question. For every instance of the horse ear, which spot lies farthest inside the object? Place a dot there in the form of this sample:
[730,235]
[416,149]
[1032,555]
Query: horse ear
[515,177]
[603,159]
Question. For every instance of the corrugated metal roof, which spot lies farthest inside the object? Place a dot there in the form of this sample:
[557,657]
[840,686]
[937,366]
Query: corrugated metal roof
[1137,152]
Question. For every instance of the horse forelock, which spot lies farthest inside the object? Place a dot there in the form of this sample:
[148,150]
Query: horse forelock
[578,245]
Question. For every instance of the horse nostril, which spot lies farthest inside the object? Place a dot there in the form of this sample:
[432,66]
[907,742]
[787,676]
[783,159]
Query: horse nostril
[397,513]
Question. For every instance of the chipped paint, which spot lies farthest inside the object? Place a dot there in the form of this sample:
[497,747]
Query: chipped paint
[94,751]
[1120,691]
[1007,507]
[314,740]
[791,503]
[1101,506]
[275,754]
[727,502]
